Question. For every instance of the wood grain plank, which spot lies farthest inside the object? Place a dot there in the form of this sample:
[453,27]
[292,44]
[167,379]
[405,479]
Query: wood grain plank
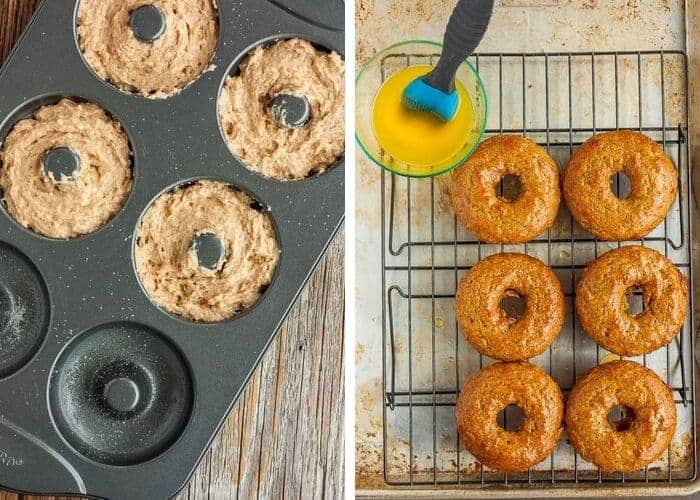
[249,457]
[331,407]
[284,438]
[14,15]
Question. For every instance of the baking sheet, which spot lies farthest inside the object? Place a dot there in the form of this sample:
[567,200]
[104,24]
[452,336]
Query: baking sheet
[536,26]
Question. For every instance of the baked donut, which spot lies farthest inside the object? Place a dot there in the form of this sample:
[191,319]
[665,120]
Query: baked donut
[646,429]
[153,68]
[495,219]
[247,116]
[77,202]
[486,325]
[601,300]
[653,182]
[167,257]
[485,394]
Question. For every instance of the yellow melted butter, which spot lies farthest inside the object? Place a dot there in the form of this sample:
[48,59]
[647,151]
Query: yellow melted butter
[418,138]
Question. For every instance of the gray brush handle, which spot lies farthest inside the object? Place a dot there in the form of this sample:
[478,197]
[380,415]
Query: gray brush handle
[465,30]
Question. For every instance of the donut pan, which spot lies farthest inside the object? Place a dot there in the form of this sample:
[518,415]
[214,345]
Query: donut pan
[101,392]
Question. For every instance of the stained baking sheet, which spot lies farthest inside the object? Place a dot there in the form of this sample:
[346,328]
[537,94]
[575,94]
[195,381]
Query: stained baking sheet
[427,432]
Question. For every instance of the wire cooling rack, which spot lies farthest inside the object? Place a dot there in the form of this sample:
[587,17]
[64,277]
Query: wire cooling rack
[559,100]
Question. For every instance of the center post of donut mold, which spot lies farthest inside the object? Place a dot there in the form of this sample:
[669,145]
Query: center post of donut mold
[291,111]
[147,23]
[122,394]
[209,251]
[61,163]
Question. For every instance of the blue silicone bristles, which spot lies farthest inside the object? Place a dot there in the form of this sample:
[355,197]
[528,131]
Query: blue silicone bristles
[420,96]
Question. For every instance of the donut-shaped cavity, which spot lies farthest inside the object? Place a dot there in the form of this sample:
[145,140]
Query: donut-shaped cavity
[517,217]
[121,394]
[282,110]
[483,398]
[150,47]
[206,251]
[653,181]
[603,308]
[24,310]
[50,193]
[641,436]
[510,306]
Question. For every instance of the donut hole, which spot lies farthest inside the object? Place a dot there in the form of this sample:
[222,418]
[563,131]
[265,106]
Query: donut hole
[513,306]
[635,301]
[511,418]
[509,188]
[620,185]
[621,418]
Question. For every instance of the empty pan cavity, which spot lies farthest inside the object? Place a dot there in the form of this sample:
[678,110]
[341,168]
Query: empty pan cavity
[121,394]
[24,310]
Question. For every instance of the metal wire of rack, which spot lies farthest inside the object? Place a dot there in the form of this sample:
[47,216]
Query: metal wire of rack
[559,100]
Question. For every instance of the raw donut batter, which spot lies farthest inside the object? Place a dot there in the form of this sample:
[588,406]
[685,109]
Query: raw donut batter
[82,203]
[154,69]
[292,67]
[171,274]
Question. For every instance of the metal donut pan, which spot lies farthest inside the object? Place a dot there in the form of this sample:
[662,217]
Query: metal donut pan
[85,292]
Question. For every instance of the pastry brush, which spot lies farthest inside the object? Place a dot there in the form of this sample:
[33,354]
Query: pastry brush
[435,92]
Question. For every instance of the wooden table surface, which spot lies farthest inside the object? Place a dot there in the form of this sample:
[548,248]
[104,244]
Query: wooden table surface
[284,438]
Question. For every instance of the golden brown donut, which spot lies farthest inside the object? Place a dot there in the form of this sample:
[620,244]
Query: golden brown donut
[494,219]
[486,325]
[639,438]
[488,392]
[601,301]
[653,182]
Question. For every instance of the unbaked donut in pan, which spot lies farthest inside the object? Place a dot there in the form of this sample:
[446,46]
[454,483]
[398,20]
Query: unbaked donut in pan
[76,201]
[267,145]
[240,259]
[178,48]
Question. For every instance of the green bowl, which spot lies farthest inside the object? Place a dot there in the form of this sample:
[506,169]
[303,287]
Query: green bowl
[384,64]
